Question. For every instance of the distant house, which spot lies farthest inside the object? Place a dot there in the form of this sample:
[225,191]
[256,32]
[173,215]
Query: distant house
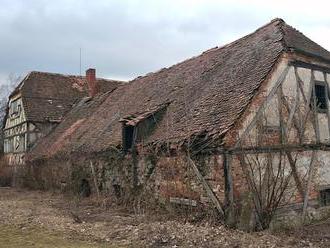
[242,128]
[39,103]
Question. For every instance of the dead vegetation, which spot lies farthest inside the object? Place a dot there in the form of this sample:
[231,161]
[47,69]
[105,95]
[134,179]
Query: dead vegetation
[85,220]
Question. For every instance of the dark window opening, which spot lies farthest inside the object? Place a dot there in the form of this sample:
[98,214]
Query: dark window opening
[84,188]
[128,137]
[321,97]
[117,190]
[325,197]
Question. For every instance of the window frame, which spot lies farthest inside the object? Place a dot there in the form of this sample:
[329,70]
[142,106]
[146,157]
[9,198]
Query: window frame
[315,98]
[15,108]
[325,197]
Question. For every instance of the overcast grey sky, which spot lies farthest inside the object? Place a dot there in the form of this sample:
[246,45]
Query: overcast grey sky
[125,38]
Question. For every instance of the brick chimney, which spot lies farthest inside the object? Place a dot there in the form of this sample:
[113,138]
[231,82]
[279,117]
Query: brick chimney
[93,87]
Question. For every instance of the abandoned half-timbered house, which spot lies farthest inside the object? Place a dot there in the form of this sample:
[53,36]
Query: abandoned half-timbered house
[243,128]
[39,103]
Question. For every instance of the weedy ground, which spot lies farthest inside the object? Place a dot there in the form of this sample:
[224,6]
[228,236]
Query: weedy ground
[44,219]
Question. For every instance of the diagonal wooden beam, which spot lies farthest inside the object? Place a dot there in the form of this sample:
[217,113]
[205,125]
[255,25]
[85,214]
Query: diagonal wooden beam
[308,185]
[308,100]
[271,94]
[295,174]
[206,187]
[300,84]
[295,109]
[294,119]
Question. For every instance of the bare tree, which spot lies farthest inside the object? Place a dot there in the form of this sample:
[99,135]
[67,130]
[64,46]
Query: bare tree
[269,178]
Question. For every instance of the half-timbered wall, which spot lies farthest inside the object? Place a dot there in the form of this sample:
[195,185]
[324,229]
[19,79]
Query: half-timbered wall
[290,101]
[20,135]
[15,142]
[282,143]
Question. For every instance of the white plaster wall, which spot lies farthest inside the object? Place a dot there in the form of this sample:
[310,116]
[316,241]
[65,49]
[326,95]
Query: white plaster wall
[323,126]
[319,76]
[290,92]
[289,85]
[323,169]
[271,116]
[305,76]
[321,177]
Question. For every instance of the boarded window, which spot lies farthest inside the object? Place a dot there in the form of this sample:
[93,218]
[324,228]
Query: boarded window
[128,137]
[325,197]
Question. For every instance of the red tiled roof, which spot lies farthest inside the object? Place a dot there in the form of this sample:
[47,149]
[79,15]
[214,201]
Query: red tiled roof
[49,96]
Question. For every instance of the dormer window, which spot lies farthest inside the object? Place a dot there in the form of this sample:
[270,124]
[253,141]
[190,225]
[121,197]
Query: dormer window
[137,127]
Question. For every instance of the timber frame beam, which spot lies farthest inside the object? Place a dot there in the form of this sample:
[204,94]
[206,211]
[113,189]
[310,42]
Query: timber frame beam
[206,187]
[259,113]
[298,63]
[269,149]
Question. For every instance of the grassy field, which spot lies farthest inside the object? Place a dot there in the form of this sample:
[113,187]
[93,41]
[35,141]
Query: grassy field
[14,237]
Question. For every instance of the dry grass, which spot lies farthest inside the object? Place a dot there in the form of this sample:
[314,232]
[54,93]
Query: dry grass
[15,237]
[54,218]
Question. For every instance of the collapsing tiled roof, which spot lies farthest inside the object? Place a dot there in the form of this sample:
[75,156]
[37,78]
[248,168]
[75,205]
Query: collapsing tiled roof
[206,94]
[49,96]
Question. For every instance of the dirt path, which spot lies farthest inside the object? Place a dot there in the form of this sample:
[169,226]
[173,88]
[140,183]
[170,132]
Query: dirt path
[53,217]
